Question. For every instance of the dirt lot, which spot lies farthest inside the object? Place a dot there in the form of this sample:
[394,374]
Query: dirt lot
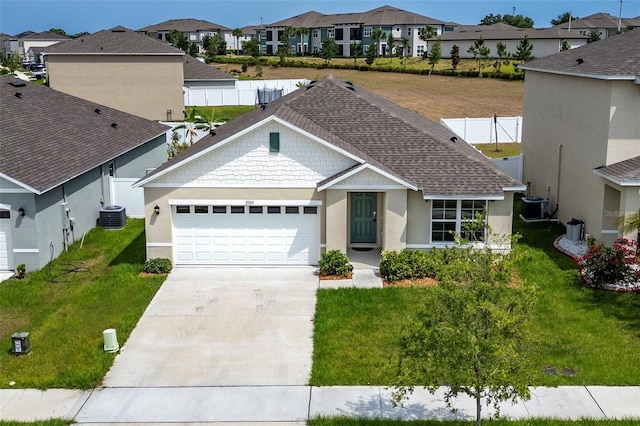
[433,96]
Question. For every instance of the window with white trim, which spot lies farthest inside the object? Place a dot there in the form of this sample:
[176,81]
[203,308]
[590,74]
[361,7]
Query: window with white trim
[420,50]
[366,32]
[314,34]
[331,33]
[449,216]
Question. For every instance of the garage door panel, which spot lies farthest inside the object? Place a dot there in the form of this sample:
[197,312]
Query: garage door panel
[246,238]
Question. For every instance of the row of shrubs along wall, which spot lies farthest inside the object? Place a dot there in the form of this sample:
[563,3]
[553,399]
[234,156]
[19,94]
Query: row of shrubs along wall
[251,61]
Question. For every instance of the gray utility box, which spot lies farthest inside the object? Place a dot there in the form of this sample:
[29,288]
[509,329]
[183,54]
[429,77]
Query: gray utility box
[20,343]
[112,217]
[574,230]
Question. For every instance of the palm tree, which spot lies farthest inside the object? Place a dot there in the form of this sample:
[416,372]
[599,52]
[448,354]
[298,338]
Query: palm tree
[194,120]
[302,32]
[378,35]
[630,222]
[391,42]
[237,33]
[405,50]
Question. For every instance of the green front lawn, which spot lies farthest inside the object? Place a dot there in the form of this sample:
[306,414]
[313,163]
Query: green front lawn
[592,333]
[506,149]
[224,113]
[66,306]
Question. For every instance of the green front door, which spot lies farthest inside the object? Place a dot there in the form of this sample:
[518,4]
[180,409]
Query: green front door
[363,217]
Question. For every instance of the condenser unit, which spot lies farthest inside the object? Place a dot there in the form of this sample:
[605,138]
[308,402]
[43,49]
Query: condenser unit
[112,217]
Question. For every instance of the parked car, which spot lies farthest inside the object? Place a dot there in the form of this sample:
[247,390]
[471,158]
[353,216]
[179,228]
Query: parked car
[26,64]
[34,65]
[39,73]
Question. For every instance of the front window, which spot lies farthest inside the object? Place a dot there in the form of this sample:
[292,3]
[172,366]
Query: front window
[420,50]
[315,34]
[449,217]
[366,32]
[331,33]
[408,31]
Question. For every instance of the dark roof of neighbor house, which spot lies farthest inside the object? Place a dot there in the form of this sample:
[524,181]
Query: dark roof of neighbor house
[616,57]
[393,139]
[496,26]
[601,20]
[490,33]
[117,40]
[193,69]
[184,25]
[46,35]
[383,15]
[49,137]
[625,173]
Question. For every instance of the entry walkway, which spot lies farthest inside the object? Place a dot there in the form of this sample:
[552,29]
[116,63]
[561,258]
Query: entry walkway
[294,405]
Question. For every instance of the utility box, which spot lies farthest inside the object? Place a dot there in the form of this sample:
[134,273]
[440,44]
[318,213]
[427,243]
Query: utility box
[20,343]
[110,341]
[112,217]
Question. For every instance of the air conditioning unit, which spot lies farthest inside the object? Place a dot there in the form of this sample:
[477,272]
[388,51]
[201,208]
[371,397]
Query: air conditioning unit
[112,217]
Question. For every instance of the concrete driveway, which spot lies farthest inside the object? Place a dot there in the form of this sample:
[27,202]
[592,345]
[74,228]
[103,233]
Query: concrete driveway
[223,326]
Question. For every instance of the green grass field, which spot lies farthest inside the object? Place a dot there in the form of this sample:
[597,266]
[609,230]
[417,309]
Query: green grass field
[341,421]
[66,306]
[583,336]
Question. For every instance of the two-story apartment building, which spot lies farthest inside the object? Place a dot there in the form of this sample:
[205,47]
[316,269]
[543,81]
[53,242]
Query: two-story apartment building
[20,44]
[193,29]
[347,28]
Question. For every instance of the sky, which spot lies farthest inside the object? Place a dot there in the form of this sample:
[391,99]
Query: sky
[75,16]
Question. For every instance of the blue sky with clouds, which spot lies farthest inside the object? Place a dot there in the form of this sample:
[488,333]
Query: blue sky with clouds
[93,15]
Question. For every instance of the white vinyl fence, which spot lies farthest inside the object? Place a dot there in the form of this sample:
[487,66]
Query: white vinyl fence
[510,165]
[245,93]
[483,130]
[123,194]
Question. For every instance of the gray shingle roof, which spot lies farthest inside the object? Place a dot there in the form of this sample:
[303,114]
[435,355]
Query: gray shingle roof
[193,69]
[398,141]
[600,20]
[117,40]
[45,35]
[624,173]
[185,25]
[49,137]
[490,33]
[616,57]
[384,15]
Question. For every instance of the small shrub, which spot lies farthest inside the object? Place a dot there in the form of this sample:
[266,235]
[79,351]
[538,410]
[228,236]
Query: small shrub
[603,265]
[244,67]
[409,263]
[21,271]
[334,262]
[157,265]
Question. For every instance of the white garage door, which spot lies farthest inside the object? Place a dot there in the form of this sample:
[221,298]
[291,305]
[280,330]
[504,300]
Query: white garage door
[6,249]
[239,234]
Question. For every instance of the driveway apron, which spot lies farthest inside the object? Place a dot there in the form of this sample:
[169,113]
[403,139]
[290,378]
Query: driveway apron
[223,326]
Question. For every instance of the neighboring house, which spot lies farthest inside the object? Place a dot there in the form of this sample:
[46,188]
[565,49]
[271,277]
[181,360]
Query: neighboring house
[4,37]
[121,68]
[581,117]
[329,166]
[347,28]
[604,24]
[545,41]
[60,156]
[39,41]
[34,54]
[12,45]
[193,29]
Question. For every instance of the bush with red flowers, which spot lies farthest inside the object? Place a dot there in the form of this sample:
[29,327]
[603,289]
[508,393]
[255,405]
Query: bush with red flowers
[616,265]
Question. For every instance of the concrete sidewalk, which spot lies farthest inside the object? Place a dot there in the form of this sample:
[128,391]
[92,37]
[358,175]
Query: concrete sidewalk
[294,405]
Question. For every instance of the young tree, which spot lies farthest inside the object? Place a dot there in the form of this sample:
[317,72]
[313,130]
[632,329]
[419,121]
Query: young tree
[455,56]
[565,45]
[287,34]
[470,337]
[193,49]
[501,51]
[406,50]
[355,49]
[378,35]
[178,39]
[562,18]
[214,45]
[435,54]
[251,47]
[479,50]
[195,119]
[594,35]
[237,33]
[329,50]
[370,55]
[524,50]
[391,42]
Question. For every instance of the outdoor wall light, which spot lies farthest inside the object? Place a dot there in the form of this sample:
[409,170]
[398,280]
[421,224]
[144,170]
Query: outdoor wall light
[156,209]
[21,211]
